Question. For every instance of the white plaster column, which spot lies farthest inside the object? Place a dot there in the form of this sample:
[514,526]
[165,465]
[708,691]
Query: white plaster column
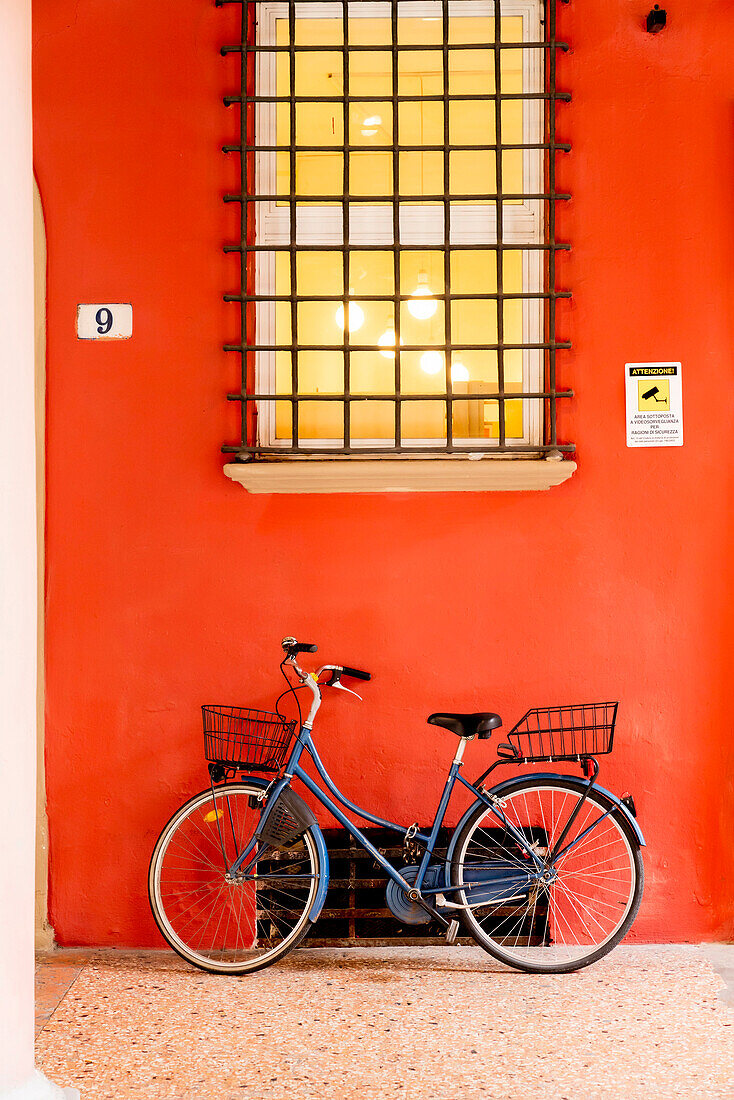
[18,1077]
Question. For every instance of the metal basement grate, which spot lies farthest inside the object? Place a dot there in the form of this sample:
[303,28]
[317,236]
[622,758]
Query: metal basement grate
[356,913]
[489,408]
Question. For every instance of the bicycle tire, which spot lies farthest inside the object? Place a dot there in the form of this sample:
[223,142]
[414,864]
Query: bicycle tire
[270,918]
[507,927]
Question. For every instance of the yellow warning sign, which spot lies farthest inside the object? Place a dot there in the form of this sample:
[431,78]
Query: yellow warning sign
[653,404]
[653,395]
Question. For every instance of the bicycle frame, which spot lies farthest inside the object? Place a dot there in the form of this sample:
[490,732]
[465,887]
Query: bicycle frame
[415,891]
[293,770]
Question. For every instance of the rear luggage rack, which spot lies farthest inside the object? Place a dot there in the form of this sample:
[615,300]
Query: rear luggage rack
[564,733]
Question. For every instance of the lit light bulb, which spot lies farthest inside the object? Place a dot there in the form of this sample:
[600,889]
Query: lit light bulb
[371,125]
[356,317]
[431,362]
[423,304]
[387,342]
[459,373]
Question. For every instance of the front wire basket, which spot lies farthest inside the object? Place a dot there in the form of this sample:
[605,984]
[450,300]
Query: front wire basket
[565,733]
[248,738]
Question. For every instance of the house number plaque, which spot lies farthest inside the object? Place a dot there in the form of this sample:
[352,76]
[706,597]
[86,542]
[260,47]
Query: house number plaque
[104,321]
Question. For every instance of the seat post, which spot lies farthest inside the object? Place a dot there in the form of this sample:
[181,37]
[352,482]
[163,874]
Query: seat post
[460,750]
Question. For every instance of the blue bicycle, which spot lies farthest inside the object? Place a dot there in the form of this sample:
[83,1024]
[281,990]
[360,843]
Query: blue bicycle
[544,870]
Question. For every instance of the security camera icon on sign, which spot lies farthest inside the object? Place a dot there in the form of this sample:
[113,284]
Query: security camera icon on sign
[653,398]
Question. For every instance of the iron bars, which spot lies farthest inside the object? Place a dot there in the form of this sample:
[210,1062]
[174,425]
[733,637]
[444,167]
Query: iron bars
[397,233]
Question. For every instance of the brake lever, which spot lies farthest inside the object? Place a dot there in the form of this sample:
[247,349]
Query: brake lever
[335,682]
[340,686]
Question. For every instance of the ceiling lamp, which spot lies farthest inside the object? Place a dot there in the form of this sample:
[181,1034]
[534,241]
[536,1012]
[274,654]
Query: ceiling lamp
[371,125]
[387,344]
[431,362]
[422,304]
[355,315]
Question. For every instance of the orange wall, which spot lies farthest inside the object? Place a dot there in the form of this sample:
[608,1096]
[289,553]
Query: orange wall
[168,586]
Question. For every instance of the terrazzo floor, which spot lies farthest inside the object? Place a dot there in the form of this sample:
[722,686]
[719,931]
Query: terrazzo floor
[431,1023]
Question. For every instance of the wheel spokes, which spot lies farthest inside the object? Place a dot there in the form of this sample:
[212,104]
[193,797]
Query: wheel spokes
[590,887]
[231,920]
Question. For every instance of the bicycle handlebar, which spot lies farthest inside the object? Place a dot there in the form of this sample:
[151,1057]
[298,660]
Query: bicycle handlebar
[356,673]
[308,679]
[293,647]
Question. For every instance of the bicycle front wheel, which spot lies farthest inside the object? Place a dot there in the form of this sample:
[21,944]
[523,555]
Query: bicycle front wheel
[592,890]
[219,922]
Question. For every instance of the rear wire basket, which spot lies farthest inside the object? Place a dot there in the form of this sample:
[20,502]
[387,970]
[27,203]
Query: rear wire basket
[565,733]
[248,738]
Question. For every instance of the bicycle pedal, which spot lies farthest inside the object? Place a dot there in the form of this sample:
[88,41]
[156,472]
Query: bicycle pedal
[452,932]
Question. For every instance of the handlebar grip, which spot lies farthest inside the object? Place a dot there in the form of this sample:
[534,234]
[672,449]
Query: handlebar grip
[356,673]
[303,647]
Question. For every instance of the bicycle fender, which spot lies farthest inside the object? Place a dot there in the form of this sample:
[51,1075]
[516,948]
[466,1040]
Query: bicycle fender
[318,901]
[256,780]
[318,836]
[509,783]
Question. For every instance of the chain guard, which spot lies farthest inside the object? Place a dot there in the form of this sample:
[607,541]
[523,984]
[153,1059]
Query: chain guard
[400,904]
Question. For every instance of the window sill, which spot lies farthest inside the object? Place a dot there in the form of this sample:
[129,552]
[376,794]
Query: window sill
[400,475]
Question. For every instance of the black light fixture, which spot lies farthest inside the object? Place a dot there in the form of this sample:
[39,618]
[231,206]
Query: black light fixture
[656,19]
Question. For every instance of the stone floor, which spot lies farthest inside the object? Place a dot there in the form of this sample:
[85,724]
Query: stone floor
[414,1023]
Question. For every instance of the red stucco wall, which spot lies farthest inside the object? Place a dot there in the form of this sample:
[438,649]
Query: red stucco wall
[168,586]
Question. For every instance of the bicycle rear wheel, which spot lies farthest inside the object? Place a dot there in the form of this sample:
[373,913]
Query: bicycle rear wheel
[593,890]
[216,922]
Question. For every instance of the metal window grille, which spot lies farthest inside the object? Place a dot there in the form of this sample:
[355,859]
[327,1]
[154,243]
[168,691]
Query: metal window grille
[261,197]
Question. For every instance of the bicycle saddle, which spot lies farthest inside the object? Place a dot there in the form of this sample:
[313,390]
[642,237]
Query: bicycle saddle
[467,725]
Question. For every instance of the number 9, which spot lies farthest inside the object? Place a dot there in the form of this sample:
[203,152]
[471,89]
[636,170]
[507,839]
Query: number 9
[103,317]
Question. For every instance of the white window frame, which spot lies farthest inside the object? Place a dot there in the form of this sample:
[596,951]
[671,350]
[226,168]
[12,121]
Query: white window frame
[419,224]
